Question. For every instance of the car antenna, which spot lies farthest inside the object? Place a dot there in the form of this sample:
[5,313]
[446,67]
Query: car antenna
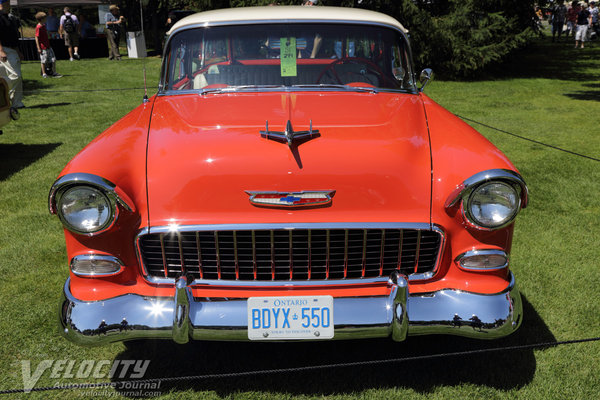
[145,86]
[145,100]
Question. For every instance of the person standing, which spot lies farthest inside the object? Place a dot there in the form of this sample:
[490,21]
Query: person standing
[594,13]
[46,53]
[559,14]
[114,23]
[68,30]
[584,21]
[572,12]
[10,57]
[52,22]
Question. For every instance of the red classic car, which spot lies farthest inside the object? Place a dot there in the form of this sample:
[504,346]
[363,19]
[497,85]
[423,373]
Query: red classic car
[289,181]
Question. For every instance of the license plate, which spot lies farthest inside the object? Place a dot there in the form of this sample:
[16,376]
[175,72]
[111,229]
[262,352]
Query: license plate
[290,318]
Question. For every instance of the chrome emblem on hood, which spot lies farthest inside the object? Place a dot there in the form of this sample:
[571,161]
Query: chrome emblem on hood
[310,198]
[288,136]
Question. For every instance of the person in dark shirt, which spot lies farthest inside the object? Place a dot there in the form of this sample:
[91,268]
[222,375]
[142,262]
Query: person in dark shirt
[584,21]
[10,57]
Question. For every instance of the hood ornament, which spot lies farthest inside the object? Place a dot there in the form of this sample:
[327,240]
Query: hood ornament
[310,198]
[289,136]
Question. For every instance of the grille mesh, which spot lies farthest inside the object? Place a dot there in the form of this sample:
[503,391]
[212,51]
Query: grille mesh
[295,254]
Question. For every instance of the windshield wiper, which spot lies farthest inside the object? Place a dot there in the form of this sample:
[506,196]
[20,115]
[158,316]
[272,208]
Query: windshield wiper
[339,86]
[231,89]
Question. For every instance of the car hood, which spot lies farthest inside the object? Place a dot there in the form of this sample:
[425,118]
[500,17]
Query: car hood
[206,151]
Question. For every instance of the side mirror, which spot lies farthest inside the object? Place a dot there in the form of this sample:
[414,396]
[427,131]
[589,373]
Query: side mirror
[426,76]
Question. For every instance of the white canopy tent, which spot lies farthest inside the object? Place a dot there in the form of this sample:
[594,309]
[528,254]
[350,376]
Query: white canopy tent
[54,3]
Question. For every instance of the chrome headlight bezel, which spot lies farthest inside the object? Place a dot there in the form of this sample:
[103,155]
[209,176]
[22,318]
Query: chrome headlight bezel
[466,191]
[103,187]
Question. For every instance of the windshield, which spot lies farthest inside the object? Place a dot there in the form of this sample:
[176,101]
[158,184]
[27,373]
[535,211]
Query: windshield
[339,56]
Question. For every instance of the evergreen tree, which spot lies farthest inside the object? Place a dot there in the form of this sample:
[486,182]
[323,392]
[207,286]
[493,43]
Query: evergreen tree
[455,37]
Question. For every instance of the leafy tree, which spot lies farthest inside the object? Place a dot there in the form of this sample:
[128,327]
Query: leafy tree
[455,37]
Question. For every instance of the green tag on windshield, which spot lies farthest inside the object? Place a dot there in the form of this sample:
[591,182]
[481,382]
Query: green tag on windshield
[287,55]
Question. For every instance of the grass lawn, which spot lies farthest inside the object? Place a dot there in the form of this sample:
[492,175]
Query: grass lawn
[550,93]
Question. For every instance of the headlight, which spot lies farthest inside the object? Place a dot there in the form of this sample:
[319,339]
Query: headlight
[85,209]
[493,205]
[87,204]
[490,199]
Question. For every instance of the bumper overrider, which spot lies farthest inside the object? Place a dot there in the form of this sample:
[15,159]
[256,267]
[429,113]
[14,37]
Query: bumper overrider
[182,317]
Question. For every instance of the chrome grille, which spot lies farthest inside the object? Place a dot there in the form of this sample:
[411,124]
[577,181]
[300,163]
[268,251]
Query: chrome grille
[289,254]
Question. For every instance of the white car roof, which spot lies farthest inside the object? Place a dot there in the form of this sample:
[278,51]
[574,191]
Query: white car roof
[287,14]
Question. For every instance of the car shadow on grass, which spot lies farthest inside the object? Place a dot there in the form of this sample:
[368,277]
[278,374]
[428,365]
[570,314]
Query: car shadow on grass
[503,370]
[17,156]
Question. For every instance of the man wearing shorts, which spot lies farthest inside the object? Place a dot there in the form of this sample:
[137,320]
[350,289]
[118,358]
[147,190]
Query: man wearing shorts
[68,31]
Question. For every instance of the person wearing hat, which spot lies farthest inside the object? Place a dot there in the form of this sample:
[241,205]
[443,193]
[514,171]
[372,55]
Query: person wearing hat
[114,22]
[584,21]
[10,57]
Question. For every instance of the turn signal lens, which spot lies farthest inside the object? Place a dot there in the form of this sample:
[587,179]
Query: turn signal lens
[483,260]
[95,265]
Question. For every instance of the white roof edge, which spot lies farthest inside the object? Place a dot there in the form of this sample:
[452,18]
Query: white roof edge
[287,13]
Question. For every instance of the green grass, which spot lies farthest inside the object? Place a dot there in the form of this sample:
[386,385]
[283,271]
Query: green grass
[550,93]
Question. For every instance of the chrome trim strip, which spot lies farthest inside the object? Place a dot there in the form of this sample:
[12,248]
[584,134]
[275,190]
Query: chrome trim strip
[345,253]
[454,312]
[254,264]
[218,254]
[164,255]
[104,257]
[272,255]
[199,250]
[382,251]
[417,252]
[235,255]
[477,252]
[291,226]
[181,257]
[364,253]
[328,252]
[291,254]
[286,226]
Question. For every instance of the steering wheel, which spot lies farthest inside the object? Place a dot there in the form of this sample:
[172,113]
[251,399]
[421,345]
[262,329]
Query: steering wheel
[352,60]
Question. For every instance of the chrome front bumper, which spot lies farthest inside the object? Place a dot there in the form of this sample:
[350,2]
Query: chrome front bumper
[182,317]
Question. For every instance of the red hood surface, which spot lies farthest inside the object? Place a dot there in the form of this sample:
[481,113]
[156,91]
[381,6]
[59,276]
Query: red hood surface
[205,152]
